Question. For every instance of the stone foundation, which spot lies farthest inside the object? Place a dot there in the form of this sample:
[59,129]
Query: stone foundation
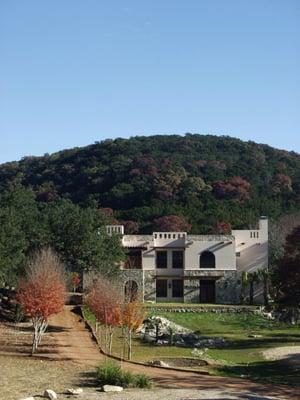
[228,288]
[228,285]
[191,290]
[149,286]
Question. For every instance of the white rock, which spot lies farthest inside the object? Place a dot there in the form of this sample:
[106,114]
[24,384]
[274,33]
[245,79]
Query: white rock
[50,394]
[111,388]
[74,391]
[29,398]
[159,363]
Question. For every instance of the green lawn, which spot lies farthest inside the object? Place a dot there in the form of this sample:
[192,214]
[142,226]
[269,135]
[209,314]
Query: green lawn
[241,356]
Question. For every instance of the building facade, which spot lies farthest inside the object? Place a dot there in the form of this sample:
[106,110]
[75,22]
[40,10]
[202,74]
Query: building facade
[177,267]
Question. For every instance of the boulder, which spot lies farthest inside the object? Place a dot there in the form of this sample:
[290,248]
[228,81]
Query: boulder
[158,363]
[74,392]
[28,398]
[112,388]
[50,394]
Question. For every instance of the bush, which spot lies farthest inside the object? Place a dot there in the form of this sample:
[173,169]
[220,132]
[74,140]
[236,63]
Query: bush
[110,373]
[142,381]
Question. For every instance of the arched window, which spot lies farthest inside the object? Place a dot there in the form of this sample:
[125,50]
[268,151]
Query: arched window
[131,290]
[207,260]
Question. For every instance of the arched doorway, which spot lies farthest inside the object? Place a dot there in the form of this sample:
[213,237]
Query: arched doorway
[131,290]
[207,260]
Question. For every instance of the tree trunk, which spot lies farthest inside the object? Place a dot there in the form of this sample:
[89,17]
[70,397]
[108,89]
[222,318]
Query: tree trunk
[40,326]
[129,344]
[251,293]
[111,332]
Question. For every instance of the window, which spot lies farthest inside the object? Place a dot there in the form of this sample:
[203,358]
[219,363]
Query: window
[161,259]
[177,259]
[134,259]
[207,260]
[162,288]
[238,254]
[177,288]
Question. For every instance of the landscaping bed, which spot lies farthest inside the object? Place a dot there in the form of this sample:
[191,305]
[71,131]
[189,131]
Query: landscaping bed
[247,335]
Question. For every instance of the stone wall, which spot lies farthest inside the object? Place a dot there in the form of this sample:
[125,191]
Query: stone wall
[191,290]
[228,288]
[132,275]
[149,286]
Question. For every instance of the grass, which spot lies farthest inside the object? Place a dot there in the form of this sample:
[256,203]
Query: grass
[241,356]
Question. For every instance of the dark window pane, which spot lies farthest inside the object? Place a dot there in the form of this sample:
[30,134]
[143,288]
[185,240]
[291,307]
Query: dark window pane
[162,288]
[177,259]
[134,260]
[177,288]
[161,259]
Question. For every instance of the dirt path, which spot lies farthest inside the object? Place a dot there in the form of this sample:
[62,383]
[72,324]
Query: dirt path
[287,354]
[74,342]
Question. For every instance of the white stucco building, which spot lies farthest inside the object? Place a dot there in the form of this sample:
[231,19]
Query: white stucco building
[177,267]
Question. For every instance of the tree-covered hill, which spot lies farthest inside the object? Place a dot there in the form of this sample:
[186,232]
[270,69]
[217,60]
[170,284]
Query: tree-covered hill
[206,181]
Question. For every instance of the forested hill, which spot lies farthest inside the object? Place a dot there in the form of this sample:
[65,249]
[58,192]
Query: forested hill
[206,181]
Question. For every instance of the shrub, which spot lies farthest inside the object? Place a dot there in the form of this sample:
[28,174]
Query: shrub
[128,379]
[110,373]
[142,381]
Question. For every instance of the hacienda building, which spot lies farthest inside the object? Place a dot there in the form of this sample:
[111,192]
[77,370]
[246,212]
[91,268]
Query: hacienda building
[177,267]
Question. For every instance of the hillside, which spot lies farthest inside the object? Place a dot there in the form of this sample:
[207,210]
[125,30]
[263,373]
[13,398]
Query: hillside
[205,179]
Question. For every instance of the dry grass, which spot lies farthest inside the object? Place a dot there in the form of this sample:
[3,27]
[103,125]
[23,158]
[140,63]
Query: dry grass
[22,377]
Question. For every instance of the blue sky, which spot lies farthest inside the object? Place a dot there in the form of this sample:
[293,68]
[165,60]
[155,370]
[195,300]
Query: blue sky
[77,71]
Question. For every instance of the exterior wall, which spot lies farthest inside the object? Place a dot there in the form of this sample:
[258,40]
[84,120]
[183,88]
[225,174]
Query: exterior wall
[223,247]
[191,290]
[149,286]
[252,253]
[228,288]
[132,275]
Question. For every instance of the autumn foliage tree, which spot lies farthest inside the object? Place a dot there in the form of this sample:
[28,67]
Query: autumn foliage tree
[104,301]
[235,188]
[133,315]
[75,279]
[42,293]
[223,228]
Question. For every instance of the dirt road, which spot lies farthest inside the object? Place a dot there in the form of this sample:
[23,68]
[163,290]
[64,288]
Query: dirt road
[74,342]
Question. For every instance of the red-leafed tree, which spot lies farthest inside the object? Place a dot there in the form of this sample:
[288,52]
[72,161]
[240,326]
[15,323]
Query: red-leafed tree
[236,188]
[104,300]
[75,279]
[42,293]
[172,223]
[281,182]
[133,314]
[223,228]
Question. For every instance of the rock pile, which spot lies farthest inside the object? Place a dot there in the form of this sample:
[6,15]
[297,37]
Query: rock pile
[160,331]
